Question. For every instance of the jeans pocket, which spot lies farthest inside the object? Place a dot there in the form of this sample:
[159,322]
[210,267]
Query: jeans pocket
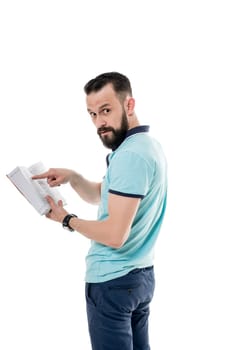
[123,297]
[93,294]
[89,299]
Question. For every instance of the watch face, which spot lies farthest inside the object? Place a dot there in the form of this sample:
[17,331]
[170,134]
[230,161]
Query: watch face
[68,228]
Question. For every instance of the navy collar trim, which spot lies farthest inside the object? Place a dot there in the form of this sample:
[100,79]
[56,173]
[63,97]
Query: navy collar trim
[137,129]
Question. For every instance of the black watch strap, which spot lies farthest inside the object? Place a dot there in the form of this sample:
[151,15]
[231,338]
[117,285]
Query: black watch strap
[66,220]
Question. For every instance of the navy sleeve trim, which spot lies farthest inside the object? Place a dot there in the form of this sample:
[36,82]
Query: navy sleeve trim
[126,194]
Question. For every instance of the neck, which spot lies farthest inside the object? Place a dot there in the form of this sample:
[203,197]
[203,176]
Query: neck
[133,121]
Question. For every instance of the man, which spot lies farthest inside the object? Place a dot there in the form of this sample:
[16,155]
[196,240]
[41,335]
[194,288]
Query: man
[132,201]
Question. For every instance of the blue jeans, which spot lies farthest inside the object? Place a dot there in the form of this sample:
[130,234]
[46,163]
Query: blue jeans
[118,311]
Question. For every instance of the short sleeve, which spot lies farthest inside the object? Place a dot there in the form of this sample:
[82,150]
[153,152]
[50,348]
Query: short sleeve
[129,175]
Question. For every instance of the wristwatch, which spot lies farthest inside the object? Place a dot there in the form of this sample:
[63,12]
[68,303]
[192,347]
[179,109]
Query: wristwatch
[66,220]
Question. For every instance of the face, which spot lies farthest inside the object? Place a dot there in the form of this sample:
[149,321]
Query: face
[109,116]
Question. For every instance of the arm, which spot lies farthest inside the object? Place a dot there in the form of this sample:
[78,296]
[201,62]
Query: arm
[87,190]
[113,231]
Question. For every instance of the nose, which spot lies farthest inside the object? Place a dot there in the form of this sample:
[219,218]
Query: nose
[99,121]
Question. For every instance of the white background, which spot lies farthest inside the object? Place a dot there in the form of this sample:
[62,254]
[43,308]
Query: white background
[178,56]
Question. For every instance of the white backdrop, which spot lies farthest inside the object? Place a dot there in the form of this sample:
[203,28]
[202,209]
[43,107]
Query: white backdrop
[178,56]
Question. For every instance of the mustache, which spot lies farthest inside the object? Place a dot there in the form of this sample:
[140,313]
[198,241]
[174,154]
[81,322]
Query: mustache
[104,129]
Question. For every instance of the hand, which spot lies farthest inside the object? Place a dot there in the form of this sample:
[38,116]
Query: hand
[57,212]
[55,176]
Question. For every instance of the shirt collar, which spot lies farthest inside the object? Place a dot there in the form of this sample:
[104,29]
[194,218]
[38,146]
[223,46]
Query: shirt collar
[133,131]
[130,132]
[137,129]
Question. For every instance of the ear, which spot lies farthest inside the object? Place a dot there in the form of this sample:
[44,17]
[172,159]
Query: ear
[130,104]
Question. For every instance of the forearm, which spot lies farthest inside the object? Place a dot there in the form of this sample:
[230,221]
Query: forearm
[113,231]
[89,191]
[104,232]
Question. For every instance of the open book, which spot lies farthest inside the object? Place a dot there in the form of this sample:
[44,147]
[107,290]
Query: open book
[34,191]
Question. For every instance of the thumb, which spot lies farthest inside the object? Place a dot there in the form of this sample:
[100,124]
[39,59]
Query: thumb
[50,200]
[60,203]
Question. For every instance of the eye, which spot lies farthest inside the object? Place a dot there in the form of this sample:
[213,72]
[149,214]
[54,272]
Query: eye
[92,114]
[106,111]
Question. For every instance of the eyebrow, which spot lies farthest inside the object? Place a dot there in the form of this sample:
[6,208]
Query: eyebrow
[101,107]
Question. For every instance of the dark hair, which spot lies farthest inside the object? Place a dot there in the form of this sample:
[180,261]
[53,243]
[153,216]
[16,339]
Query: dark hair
[120,83]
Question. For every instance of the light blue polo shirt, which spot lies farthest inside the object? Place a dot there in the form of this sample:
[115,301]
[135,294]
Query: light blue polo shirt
[137,168]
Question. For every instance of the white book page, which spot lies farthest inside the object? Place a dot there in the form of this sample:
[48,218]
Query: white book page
[21,178]
[44,188]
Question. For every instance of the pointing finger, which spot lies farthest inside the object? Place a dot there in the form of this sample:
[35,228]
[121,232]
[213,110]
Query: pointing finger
[40,176]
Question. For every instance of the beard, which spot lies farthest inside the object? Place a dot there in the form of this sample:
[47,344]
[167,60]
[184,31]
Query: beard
[117,136]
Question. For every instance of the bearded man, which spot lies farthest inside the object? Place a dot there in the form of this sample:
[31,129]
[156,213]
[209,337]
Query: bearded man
[119,279]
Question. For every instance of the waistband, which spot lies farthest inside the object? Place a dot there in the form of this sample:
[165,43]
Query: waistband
[143,269]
